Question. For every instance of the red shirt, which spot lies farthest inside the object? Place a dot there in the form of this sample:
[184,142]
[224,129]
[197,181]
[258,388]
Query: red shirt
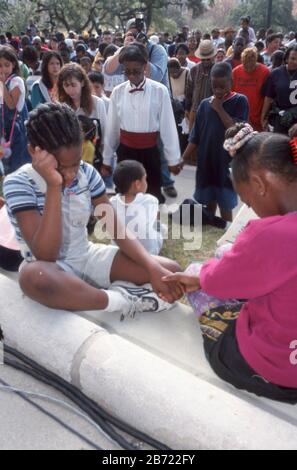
[251,84]
[193,58]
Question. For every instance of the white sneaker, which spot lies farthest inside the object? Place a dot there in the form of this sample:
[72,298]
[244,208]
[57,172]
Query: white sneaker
[142,299]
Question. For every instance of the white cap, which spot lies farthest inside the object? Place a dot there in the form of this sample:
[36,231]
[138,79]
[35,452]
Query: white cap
[69,43]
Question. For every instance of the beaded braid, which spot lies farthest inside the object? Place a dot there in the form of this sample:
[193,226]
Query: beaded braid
[53,125]
[293,146]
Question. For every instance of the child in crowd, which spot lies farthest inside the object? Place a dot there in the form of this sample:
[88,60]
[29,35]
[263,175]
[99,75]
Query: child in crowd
[88,127]
[135,209]
[86,64]
[31,60]
[97,82]
[215,115]
[13,112]
[49,204]
[250,344]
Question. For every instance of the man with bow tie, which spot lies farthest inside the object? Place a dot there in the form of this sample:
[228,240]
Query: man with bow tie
[139,113]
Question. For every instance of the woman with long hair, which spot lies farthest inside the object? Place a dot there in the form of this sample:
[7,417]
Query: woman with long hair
[74,89]
[44,90]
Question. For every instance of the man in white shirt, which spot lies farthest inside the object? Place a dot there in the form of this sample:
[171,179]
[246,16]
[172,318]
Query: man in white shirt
[93,47]
[217,40]
[139,112]
[273,44]
[245,23]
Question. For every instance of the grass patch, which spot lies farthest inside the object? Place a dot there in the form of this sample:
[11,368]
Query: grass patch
[175,249]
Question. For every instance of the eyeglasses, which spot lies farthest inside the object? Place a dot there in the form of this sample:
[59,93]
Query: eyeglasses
[133,72]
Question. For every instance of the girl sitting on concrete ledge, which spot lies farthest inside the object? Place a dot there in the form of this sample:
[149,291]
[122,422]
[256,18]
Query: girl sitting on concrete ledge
[252,344]
[49,204]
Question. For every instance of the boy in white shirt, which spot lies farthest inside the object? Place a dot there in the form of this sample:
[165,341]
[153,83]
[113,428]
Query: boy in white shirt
[135,209]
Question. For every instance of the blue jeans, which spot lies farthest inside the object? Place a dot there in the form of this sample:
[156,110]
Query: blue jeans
[166,176]
[19,152]
[108,180]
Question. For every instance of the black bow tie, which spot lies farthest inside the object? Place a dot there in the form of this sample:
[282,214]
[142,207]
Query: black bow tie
[136,89]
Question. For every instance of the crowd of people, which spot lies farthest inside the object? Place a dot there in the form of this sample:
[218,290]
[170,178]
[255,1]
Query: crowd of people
[83,113]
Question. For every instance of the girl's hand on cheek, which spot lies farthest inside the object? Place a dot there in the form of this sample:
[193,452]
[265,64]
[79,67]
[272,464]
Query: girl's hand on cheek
[47,166]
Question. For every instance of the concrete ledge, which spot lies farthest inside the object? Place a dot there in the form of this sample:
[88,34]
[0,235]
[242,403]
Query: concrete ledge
[148,373]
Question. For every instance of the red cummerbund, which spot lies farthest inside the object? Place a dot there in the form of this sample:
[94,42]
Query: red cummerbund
[139,140]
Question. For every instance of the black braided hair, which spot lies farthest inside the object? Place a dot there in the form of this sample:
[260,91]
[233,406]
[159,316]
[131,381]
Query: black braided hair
[53,125]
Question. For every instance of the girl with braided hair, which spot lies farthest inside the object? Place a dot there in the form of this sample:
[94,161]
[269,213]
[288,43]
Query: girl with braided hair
[49,204]
[250,344]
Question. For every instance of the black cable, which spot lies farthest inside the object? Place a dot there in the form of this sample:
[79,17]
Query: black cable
[84,403]
[55,418]
[97,419]
[87,401]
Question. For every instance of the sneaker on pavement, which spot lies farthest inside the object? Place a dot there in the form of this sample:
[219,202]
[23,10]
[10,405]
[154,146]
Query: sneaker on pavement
[142,299]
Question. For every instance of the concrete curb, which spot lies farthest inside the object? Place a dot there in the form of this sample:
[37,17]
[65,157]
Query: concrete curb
[157,397]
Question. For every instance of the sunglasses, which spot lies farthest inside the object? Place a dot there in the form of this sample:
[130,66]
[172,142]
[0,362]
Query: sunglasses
[133,72]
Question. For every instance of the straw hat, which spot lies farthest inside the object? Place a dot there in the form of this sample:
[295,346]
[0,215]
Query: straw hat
[206,50]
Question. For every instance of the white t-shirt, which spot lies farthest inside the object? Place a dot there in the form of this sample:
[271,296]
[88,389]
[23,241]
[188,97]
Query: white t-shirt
[190,64]
[219,42]
[112,80]
[18,82]
[140,217]
[92,53]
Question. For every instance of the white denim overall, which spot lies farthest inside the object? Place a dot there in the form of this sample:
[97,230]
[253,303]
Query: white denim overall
[89,261]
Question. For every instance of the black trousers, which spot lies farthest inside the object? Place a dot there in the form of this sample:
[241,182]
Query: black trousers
[151,160]
[10,260]
[218,328]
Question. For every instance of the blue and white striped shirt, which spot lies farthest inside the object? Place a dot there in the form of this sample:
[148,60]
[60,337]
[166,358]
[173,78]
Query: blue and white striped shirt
[21,192]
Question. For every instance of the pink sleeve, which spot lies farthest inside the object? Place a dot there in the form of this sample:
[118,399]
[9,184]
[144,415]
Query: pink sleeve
[260,261]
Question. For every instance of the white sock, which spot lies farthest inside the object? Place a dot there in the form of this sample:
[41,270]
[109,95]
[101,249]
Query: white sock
[117,302]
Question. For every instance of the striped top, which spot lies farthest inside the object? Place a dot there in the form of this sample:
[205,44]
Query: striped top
[21,192]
